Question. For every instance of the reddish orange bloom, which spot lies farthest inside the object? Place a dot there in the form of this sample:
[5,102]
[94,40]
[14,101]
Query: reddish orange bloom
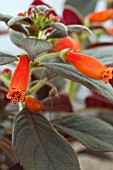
[33,104]
[19,80]
[6,71]
[89,66]
[56,18]
[100,17]
[67,42]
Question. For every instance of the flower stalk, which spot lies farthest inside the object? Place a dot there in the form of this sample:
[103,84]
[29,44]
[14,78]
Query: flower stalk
[36,87]
[37,60]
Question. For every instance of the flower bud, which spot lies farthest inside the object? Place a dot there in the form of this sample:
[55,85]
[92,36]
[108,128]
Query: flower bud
[33,104]
[67,42]
[55,18]
[100,17]
[21,14]
[7,73]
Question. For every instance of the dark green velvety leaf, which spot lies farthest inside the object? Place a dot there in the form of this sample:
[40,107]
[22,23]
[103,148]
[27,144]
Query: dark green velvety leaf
[38,146]
[92,132]
[5,18]
[106,116]
[84,6]
[16,37]
[104,54]
[41,73]
[40,8]
[60,27]
[56,34]
[18,19]
[34,46]
[6,58]
[79,28]
[69,72]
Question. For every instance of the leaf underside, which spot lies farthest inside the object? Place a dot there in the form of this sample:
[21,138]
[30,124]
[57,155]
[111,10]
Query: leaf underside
[6,58]
[35,46]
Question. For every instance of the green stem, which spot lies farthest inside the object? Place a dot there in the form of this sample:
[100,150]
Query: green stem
[70,89]
[40,36]
[6,81]
[21,106]
[37,60]
[36,87]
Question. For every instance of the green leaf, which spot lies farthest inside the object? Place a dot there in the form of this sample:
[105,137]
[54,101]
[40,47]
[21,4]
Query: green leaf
[38,146]
[34,46]
[6,58]
[69,72]
[5,18]
[60,28]
[56,34]
[106,116]
[103,54]
[92,132]
[16,37]
[85,7]
[40,8]
[79,28]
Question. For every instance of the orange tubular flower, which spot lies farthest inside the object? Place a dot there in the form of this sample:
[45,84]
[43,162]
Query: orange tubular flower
[19,80]
[33,104]
[67,42]
[89,66]
[100,17]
